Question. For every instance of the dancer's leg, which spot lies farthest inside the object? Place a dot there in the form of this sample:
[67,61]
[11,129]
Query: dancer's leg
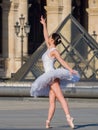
[52,106]
[56,88]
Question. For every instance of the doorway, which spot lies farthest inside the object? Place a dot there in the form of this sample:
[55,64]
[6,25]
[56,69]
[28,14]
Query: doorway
[36,9]
[79,12]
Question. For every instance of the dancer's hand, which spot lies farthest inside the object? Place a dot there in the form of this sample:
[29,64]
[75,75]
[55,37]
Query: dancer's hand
[42,20]
[73,72]
[45,31]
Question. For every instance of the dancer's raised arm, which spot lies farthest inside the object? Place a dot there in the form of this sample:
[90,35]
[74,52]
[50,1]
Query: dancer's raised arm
[45,31]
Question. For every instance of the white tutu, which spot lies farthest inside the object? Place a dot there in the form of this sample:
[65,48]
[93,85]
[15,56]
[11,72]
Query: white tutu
[41,86]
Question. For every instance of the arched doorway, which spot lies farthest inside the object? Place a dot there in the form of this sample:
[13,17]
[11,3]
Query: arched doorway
[36,9]
[79,12]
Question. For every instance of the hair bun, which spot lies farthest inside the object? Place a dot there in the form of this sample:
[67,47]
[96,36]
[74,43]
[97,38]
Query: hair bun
[59,40]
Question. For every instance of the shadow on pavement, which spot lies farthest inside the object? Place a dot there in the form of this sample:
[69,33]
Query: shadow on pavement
[55,128]
[86,125]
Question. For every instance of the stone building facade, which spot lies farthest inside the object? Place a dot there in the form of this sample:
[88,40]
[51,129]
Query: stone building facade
[85,11]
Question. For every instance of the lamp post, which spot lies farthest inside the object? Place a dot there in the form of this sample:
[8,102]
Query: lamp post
[22,30]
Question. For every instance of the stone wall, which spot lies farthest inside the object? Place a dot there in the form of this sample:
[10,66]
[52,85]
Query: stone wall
[57,10]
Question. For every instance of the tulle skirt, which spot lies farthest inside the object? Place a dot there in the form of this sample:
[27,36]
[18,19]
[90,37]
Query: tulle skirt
[41,86]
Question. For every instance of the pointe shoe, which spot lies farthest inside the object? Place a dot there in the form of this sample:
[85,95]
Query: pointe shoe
[70,121]
[47,124]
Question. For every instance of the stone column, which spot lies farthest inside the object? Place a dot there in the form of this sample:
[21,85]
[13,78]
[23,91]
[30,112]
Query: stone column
[93,16]
[23,9]
[92,24]
[67,6]
[17,43]
[20,7]
[54,14]
[8,40]
[12,10]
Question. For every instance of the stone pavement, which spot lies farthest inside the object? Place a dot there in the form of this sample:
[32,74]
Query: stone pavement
[31,113]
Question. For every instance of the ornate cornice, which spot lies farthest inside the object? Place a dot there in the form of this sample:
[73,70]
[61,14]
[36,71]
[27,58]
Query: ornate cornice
[54,9]
[12,5]
[92,11]
[16,5]
[6,6]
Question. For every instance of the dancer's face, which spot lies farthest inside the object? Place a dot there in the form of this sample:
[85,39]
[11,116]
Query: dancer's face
[50,40]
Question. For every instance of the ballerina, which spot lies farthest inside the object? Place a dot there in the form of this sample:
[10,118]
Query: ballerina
[50,82]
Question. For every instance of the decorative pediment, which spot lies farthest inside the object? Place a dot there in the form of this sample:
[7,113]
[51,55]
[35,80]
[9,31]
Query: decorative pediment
[11,4]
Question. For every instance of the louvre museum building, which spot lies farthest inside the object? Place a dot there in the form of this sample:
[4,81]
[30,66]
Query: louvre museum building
[22,41]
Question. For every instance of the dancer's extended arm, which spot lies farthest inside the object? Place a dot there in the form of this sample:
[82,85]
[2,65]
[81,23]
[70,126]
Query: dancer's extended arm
[56,54]
[45,31]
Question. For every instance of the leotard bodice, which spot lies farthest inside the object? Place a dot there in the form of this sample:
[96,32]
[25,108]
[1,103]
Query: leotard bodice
[48,62]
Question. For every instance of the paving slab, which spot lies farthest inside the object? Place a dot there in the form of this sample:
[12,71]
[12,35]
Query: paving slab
[30,114]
